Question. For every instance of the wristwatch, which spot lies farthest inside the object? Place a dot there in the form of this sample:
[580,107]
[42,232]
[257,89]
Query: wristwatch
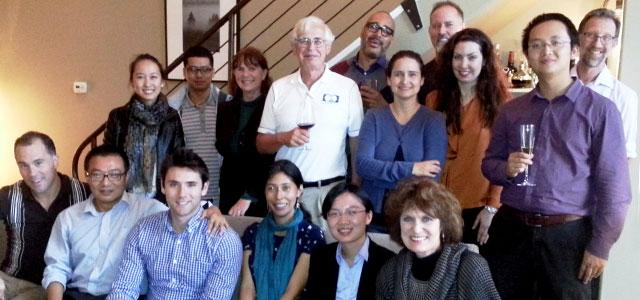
[491,209]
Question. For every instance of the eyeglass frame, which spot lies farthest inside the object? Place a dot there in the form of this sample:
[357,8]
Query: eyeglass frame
[307,42]
[205,70]
[374,27]
[113,177]
[274,188]
[349,212]
[540,45]
[592,37]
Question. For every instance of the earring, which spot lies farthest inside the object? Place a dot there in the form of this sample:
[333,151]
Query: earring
[297,205]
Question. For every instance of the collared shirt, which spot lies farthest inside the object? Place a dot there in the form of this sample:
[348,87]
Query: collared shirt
[85,245]
[579,164]
[349,276]
[199,126]
[337,109]
[350,68]
[187,265]
[626,101]
[28,225]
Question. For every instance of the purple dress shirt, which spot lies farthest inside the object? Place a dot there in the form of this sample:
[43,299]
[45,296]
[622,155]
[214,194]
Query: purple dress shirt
[579,164]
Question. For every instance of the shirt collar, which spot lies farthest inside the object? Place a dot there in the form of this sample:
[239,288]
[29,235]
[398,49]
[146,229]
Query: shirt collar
[90,207]
[298,77]
[381,62]
[572,92]
[211,101]
[191,225]
[363,252]
[604,77]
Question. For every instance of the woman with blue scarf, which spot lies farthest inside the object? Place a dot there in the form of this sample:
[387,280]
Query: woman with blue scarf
[277,250]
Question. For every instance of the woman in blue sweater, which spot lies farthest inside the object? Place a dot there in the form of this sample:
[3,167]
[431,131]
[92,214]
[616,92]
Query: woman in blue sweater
[401,139]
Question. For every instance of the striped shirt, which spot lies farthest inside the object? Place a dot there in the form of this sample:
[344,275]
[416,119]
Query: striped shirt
[28,225]
[199,126]
[187,265]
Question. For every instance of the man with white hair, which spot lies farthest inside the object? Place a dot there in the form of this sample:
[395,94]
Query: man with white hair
[317,148]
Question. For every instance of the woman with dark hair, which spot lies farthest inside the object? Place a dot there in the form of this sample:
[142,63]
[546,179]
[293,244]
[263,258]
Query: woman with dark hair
[401,139]
[348,268]
[471,88]
[146,128]
[277,250]
[425,218]
[244,170]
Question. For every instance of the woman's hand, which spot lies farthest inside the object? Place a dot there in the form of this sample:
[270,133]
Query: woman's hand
[517,162]
[217,222]
[483,222]
[240,208]
[429,168]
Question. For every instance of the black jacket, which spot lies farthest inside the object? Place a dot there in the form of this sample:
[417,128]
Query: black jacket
[245,170]
[170,136]
[323,272]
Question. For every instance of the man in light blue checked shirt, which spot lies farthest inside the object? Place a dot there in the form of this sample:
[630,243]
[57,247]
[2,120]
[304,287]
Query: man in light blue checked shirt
[172,250]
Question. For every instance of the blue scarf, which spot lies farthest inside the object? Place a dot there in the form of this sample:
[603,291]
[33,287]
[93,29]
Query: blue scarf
[272,276]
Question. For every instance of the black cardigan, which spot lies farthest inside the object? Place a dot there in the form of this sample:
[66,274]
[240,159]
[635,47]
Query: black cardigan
[323,272]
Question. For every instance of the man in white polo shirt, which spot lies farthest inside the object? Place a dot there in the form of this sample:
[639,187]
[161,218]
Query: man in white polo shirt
[319,151]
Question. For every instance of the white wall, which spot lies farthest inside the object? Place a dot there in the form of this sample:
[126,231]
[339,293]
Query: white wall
[622,277]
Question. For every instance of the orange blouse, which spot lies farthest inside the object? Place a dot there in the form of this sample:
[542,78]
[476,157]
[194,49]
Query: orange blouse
[462,174]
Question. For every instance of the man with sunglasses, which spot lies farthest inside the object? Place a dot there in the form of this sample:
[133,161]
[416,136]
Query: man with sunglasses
[599,31]
[367,67]
[198,109]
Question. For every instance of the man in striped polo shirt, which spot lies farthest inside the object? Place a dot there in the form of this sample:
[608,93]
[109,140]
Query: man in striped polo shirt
[198,108]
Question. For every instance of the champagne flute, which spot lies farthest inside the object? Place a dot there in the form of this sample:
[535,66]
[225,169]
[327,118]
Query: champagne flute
[305,119]
[527,140]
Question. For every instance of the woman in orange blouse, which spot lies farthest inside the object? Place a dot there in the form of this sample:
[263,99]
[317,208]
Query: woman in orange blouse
[471,87]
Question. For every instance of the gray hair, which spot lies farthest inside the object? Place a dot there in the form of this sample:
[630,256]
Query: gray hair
[307,24]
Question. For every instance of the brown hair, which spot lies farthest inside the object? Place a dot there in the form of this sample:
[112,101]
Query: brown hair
[430,197]
[250,56]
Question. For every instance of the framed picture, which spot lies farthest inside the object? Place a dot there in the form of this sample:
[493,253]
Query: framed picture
[187,21]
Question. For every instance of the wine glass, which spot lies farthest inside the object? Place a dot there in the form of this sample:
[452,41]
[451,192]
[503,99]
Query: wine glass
[527,140]
[305,119]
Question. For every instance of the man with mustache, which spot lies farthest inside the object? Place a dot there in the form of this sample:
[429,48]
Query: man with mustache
[369,64]
[599,30]
[445,20]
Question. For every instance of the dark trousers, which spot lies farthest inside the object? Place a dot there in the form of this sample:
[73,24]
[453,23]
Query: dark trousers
[537,262]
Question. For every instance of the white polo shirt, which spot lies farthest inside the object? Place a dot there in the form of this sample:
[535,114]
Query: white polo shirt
[337,109]
[626,101]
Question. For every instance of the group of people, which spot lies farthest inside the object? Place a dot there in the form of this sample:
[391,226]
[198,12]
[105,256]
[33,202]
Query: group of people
[436,162]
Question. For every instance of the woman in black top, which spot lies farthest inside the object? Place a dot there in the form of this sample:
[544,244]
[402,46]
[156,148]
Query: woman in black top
[244,170]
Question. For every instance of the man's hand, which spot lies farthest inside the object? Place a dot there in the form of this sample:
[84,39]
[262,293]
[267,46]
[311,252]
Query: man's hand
[294,138]
[429,168]
[483,222]
[591,268]
[240,208]
[217,222]
[517,162]
[371,98]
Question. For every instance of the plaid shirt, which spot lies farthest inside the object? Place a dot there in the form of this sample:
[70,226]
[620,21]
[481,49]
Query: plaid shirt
[187,265]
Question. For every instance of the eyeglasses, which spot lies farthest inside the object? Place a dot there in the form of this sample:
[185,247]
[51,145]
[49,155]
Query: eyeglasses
[592,36]
[349,212]
[113,177]
[272,189]
[553,44]
[199,70]
[306,42]
[374,27]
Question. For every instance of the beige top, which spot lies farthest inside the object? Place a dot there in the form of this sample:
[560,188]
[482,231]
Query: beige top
[462,174]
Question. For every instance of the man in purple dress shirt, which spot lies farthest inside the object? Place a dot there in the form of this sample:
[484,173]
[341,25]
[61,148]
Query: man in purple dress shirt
[556,235]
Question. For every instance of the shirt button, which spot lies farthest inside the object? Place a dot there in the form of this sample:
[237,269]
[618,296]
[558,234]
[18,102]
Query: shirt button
[175,261]
[173,280]
[178,242]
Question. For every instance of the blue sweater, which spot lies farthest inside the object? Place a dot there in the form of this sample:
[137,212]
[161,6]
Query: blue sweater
[424,137]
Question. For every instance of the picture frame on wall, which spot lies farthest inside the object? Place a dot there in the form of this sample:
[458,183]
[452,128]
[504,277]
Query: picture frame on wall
[187,21]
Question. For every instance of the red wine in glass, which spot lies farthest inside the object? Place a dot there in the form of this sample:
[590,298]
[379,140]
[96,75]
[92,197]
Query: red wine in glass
[306,125]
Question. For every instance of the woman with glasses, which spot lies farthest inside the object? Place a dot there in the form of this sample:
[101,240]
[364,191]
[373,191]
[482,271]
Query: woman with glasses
[348,268]
[401,139]
[471,88]
[146,128]
[425,218]
[244,170]
[277,250]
